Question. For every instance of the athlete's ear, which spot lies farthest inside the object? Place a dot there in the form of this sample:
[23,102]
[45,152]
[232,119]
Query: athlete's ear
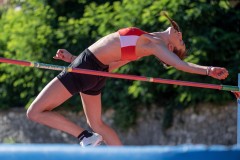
[170,47]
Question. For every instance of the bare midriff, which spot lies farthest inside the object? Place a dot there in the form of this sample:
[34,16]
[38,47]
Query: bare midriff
[108,50]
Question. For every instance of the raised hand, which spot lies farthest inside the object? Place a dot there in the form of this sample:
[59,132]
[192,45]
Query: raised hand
[64,55]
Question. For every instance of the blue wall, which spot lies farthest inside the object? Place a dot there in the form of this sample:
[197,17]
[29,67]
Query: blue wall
[68,152]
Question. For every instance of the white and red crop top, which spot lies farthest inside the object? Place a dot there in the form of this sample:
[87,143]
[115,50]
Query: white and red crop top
[128,40]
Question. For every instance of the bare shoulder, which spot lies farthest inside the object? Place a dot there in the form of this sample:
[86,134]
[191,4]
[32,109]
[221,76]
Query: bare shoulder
[152,42]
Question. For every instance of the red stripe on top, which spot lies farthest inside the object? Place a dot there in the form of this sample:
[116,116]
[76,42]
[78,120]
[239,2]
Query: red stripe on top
[131,31]
[129,52]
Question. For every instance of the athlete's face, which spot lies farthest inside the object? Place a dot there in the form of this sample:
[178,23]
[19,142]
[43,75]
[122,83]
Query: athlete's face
[175,39]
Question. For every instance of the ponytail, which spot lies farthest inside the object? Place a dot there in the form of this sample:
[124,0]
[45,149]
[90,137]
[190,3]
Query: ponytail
[173,23]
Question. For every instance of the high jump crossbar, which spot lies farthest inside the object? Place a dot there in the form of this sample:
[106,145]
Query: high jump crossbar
[120,76]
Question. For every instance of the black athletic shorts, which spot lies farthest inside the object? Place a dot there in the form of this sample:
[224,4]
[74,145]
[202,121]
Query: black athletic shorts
[88,84]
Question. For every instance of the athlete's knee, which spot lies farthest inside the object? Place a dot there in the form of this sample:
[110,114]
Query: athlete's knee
[33,113]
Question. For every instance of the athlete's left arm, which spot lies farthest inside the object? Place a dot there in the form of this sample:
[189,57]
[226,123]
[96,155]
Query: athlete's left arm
[115,65]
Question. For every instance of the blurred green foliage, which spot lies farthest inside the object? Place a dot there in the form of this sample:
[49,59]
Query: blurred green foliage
[34,30]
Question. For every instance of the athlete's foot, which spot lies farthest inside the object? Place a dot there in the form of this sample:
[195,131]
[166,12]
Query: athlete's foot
[93,140]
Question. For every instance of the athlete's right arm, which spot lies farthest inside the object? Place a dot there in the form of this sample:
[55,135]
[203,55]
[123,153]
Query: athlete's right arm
[64,55]
[168,57]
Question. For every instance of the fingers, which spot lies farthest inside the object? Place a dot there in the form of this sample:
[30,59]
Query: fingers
[59,54]
[223,73]
[56,57]
[220,73]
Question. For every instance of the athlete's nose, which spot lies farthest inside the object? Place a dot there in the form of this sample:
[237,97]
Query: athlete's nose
[180,34]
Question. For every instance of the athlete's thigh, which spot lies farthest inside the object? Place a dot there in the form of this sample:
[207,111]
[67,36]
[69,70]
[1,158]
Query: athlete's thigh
[92,107]
[53,94]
